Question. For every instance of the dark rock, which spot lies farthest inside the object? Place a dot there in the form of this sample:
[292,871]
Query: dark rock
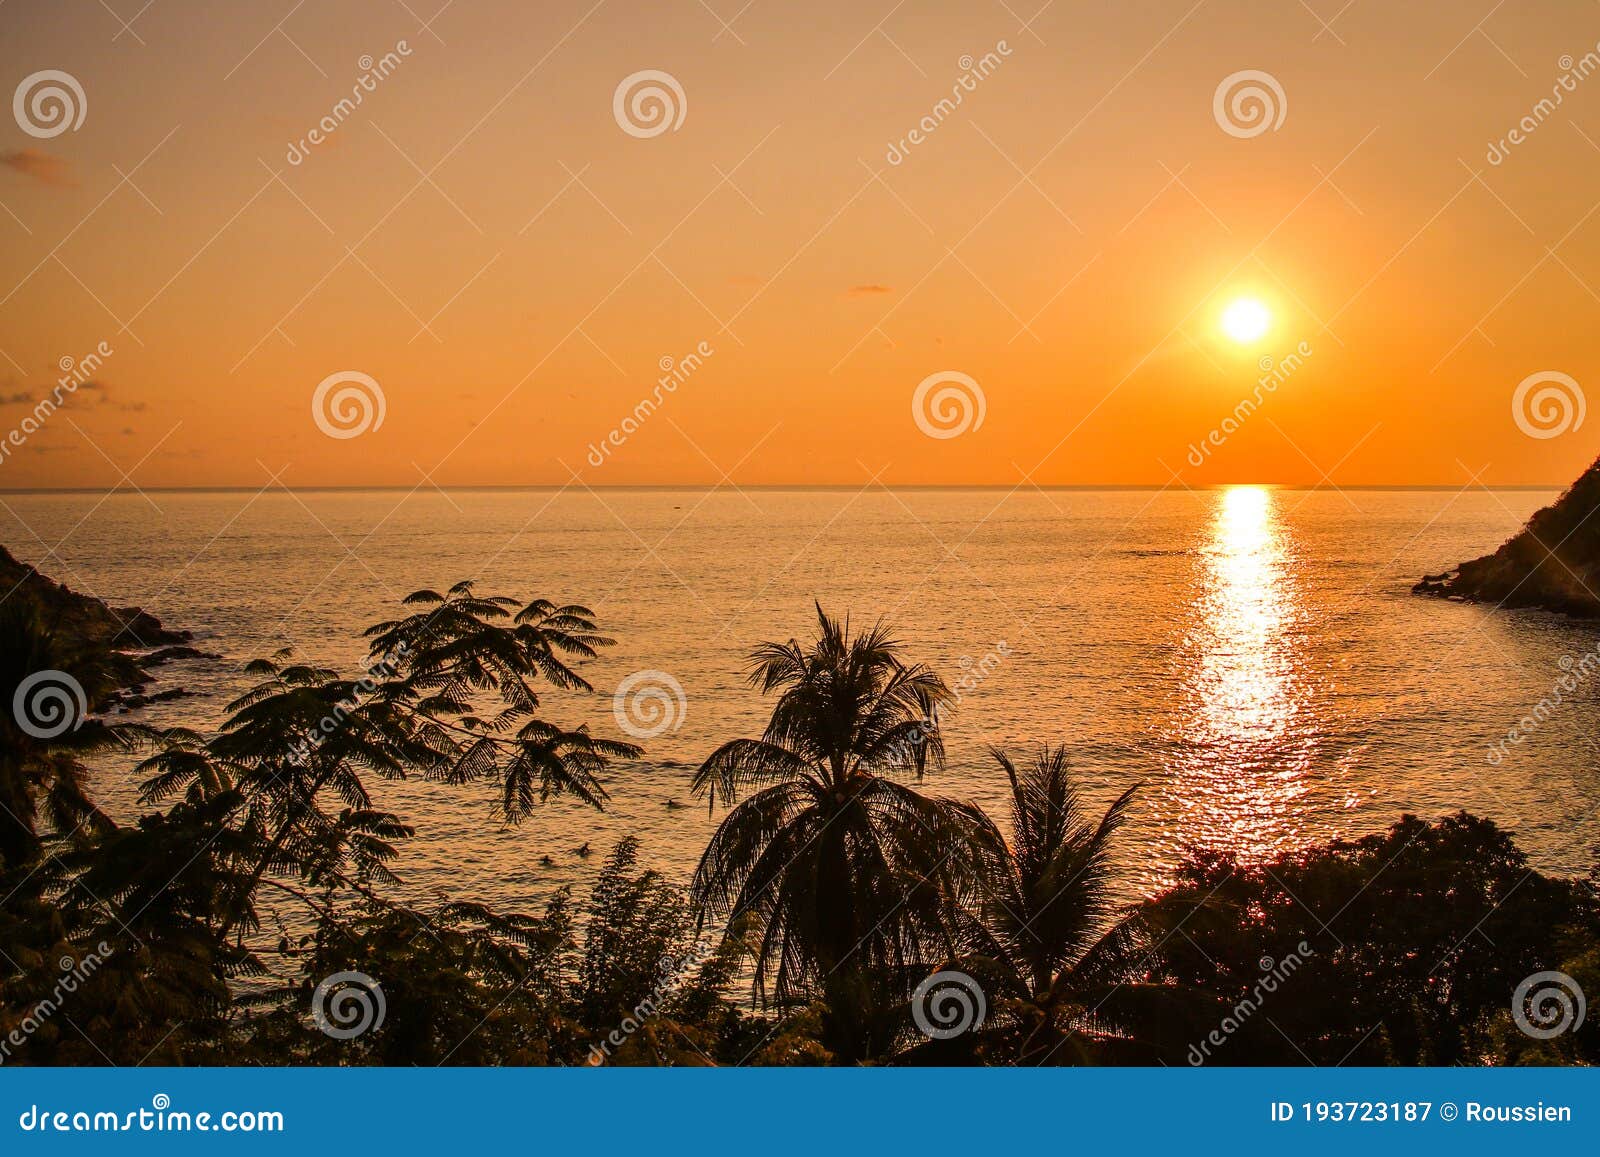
[169,654]
[91,623]
[1553,564]
[132,702]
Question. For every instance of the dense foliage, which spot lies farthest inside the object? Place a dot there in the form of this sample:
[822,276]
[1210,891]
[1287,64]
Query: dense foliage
[834,892]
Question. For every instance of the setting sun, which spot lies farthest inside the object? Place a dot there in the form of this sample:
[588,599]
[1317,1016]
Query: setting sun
[1246,320]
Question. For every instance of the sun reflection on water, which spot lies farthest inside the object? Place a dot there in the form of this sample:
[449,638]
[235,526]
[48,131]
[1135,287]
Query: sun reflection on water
[1238,759]
[1245,605]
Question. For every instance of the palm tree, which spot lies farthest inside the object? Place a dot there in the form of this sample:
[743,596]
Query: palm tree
[846,874]
[1048,946]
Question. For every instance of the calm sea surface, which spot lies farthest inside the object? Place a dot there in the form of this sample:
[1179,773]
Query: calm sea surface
[1252,656]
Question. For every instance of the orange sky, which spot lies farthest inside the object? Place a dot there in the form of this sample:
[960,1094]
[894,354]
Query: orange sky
[1067,238]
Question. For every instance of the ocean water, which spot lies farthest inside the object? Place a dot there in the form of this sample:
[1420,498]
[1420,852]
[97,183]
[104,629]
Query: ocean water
[1253,657]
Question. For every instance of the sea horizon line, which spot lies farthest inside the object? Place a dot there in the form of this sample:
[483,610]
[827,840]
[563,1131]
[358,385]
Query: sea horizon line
[772,487]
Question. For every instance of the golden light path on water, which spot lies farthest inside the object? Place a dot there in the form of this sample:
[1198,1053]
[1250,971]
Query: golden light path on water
[1244,744]
[1254,658]
[1245,614]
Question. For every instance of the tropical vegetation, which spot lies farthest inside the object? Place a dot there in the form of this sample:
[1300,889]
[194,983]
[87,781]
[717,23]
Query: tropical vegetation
[254,912]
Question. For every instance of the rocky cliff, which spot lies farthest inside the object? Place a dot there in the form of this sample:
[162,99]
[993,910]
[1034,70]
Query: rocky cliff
[1553,564]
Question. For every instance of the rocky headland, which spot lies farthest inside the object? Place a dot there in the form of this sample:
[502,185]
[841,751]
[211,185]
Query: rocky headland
[1552,564]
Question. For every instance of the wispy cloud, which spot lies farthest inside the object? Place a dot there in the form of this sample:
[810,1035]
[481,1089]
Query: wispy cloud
[867,290]
[42,166]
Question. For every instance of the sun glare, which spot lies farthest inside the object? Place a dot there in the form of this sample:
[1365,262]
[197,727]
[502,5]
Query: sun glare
[1246,320]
